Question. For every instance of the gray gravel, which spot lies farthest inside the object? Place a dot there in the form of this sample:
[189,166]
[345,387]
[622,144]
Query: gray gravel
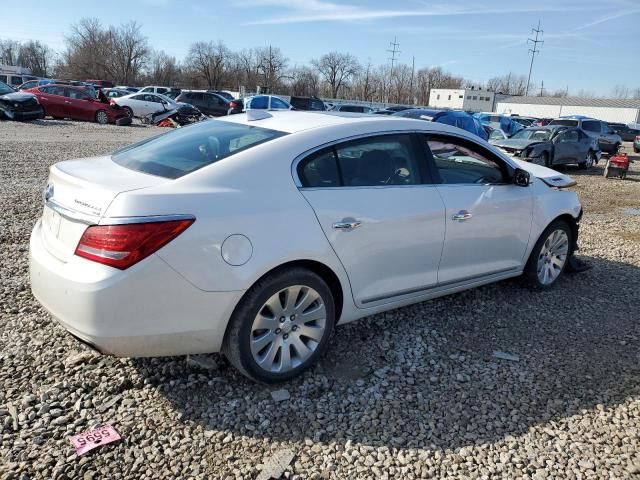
[412,393]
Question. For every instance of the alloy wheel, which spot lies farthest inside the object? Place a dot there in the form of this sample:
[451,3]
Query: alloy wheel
[553,256]
[102,117]
[589,160]
[288,328]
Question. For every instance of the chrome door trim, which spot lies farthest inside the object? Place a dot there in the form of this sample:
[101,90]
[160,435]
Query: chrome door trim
[426,289]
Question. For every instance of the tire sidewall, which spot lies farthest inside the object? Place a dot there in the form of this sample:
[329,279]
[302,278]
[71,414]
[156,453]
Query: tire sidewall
[128,111]
[249,306]
[531,269]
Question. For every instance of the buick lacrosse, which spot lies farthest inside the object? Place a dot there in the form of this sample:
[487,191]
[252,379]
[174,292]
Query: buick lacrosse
[254,235]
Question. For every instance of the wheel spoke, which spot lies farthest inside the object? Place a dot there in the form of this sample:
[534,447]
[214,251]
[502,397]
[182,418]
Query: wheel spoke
[275,305]
[266,361]
[300,347]
[317,313]
[314,333]
[285,358]
[263,322]
[291,295]
[260,342]
[308,298]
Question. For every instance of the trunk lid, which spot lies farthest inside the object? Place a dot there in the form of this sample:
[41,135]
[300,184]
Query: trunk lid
[77,195]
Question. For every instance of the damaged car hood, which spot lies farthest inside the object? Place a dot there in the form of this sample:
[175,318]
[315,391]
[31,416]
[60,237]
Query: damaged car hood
[516,144]
[17,97]
[547,175]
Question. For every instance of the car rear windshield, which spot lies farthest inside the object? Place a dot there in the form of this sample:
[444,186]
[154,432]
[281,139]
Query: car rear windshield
[566,123]
[187,149]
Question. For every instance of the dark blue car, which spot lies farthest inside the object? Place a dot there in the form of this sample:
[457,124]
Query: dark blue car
[449,117]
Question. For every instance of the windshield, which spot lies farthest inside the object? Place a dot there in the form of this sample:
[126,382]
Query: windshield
[4,88]
[533,134]
[566,123]
[187,149]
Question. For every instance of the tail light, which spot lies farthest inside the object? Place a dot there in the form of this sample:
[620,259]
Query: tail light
[122,246]
[233,105]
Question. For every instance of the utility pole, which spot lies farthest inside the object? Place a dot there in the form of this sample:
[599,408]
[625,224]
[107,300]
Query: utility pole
[533,51]
[413,68]
[542,89]
[393,51]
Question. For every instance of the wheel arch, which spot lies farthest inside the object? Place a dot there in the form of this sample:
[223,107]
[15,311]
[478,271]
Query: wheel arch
[323,271]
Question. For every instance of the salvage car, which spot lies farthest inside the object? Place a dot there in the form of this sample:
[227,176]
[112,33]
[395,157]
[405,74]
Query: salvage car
[76,103]
[255,234]
[608,140]
[18,105]
[209,103]
[143,104]
[265,102]
[552,145]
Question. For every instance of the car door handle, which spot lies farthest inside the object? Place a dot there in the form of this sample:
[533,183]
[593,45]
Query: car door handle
[346,225]
[461,216]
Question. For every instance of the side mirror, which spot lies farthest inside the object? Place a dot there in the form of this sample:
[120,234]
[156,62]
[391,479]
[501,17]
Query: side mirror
[521,177]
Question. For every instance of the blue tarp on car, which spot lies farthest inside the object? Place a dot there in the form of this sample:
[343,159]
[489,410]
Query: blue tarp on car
[507,124]
[449,117]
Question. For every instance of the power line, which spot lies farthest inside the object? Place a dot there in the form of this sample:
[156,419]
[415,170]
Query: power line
[533,51]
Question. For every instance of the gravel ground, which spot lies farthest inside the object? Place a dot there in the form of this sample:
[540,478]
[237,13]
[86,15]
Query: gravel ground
[411,393]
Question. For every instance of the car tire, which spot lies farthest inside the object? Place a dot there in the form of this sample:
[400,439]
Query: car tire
[545,160]
[549,256]
[589,161]
[102,117]
[266,323]
[128,111]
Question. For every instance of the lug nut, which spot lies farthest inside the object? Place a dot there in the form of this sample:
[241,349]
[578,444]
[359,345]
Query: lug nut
[294,328]
[282,319]
[285,336]
[278,330]
[293,317]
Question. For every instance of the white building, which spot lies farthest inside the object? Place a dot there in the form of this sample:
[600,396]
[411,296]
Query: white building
[470,99]
[609,110]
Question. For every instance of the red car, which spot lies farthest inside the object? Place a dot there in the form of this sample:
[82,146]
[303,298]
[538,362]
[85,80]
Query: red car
[66,101]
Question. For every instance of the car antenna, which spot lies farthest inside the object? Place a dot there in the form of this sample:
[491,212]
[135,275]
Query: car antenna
[257,115]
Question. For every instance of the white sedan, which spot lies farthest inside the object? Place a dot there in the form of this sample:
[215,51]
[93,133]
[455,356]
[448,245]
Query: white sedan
[255,234]
[141,104]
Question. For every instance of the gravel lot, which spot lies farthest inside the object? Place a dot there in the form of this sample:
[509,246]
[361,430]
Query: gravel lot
[412,393]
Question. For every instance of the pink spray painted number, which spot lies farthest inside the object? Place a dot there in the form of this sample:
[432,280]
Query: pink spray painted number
[101,435]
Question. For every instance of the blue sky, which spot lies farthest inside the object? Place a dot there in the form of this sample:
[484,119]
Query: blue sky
[589,44]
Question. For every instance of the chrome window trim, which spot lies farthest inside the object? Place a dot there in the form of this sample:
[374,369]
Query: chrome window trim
[303,155]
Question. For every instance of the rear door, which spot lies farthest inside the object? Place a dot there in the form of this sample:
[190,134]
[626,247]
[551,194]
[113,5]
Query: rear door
[488,218]
[79,105]
[215,105]
[382,217]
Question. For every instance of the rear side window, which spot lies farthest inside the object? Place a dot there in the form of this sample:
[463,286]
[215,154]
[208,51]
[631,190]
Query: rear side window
[277,103]
[460,162]
[187,149]
[591,126]
[368,162]
[259,102]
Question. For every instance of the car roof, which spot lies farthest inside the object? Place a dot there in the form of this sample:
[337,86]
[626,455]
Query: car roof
[292,121]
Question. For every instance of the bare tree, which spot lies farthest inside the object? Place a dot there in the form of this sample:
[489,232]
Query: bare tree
[130,51]
[510,84]
[304,81]
[271,64]
[9,52]
[208,60]
[337,69]
[163,69]
[621,91]
[36,56]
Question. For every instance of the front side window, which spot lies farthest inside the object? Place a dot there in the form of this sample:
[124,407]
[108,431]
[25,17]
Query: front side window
[76,94]
[568,136]
[261,102]
[459,162]
[185,150]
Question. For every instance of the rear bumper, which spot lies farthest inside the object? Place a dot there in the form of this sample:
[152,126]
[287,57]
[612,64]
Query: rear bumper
[147,310]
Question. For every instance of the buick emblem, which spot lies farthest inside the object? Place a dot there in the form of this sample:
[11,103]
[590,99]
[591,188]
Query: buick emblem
[48,192]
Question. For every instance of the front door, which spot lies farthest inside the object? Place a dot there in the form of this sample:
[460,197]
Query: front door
[566,146]
[488,218]
[385,223]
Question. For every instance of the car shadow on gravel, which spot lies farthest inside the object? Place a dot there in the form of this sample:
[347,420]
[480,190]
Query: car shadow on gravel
[425,376]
